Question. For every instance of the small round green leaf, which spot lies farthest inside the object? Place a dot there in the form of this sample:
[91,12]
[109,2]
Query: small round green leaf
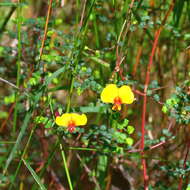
[130,129]
[129,141]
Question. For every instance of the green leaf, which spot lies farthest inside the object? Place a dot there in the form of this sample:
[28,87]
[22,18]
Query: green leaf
[58,21]
[119,136]
[93,109]
[164,109]
[187,108]
[129,141]
[130,129]
[50,33]
[33,173]
[166,132]
[126,121]
[3,114]
[156,97]
[49,124]
[119,150]
[1,50]
[39,119]
[79,91]
[33,81]
[9,99]
[186,36]
[188,187]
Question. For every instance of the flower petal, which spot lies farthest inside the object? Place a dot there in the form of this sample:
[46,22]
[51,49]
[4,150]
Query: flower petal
[126,95]
[116,107]
[109,93]
[63,120]
[79,119]
[58,120]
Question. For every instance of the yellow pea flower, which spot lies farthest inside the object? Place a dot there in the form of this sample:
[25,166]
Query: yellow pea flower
[117,96]
[71,120]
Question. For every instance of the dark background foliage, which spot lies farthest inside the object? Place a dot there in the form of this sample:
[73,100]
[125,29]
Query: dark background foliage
[57,56]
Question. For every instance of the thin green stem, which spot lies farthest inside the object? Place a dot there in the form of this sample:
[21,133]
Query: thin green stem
[70,94]
[79,148]
[7,4]
[19,23]
[65,165]
[80,35]
[77,15]
[7,142]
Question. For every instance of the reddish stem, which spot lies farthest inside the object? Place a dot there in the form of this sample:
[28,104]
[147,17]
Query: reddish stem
[5,121]
[157,34]
[138,92]
[184,166]
[139,53]
[145,176]
[45,31]
[83,12]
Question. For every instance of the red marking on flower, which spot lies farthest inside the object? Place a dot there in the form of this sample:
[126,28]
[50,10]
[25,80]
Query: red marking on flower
[117,100]
[71,129]
[71,126]
[117,103]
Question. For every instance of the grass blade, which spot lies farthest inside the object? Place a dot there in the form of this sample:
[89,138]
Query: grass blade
[35,176]
[8,4]
[17,143]
[65,166]
[178,9]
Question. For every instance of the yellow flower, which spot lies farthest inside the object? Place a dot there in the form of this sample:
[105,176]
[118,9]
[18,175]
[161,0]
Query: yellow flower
[71,120]
[117,96]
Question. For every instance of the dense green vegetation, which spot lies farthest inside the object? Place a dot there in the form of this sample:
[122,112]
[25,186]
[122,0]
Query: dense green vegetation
[63,126]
